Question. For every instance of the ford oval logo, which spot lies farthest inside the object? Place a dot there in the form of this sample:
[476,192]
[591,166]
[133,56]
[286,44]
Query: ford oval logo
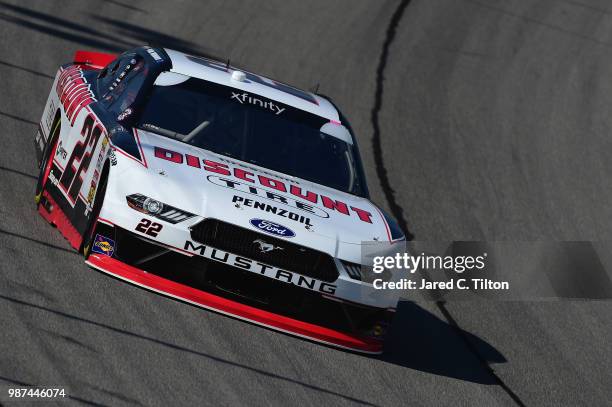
[272,228]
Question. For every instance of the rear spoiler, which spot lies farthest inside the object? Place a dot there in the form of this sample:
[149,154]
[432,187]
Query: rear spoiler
[95,60]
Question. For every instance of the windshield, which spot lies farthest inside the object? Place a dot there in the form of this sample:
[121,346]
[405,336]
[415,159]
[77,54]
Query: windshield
[255,129]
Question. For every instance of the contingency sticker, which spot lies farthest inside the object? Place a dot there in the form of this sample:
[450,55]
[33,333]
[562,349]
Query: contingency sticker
[103,245]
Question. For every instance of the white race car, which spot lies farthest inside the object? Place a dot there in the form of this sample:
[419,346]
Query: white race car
[216,186]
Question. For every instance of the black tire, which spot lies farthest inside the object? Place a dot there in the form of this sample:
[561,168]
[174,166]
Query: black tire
[47,159]
[90,232]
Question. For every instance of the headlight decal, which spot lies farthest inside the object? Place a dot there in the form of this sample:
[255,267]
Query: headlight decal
[157,209]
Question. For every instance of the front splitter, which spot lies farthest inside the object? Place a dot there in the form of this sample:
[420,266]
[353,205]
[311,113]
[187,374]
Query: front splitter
[234,309]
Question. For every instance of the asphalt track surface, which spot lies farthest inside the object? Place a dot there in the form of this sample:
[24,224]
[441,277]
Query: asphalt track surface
[477,119]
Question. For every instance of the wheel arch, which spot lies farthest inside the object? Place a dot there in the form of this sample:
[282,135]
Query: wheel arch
[104,177]
[92,221]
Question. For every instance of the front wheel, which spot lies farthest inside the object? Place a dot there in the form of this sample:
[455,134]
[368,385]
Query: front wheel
[47,161]
[88,237]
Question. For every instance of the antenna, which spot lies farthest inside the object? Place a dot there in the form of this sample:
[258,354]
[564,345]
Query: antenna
[315,88]
[227,64]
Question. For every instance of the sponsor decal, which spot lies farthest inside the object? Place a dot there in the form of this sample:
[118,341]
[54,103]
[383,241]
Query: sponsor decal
[244,97]
[252,203]
[74,92]
[103,245]
[113,157]
[101,156]
[250,182]
[92,191]
[256,78]
[53,178]
[125,114]
[267,194]
[271,228]
[50,115]
[90,197]
[256,267]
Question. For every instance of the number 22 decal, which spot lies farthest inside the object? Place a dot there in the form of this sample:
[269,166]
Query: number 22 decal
[148,227]
[72,178]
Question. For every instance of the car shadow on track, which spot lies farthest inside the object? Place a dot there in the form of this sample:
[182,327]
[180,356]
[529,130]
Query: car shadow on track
[421,341]
[95,33]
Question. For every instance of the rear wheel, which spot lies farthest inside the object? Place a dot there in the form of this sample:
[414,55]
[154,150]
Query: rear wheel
[47,160]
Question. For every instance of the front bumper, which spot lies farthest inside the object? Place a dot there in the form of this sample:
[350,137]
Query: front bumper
[245,296]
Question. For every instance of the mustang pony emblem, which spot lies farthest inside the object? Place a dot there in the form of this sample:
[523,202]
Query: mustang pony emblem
[266,247]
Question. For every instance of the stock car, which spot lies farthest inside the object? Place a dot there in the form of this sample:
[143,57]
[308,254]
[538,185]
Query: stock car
[218,187]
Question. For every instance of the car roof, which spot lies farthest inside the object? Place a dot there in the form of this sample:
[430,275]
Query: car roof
[218,72]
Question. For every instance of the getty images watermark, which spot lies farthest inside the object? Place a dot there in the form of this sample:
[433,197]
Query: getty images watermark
[511,271]
[425,262]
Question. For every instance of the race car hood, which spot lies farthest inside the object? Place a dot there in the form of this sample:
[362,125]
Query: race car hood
[211,185]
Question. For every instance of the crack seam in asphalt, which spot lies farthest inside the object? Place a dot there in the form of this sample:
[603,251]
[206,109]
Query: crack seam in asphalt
[396,209]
